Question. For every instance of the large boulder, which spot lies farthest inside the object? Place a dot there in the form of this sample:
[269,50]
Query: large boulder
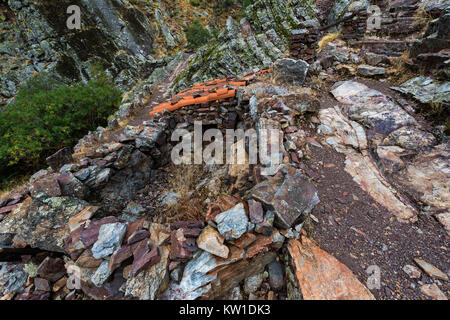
[207,276]
[378,111]
[426,90]
[320,276]
[40,223]
[290,71]
[289,194]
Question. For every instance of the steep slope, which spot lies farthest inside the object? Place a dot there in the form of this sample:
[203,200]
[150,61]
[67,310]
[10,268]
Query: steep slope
[356,207]
[122,37]
[250,45]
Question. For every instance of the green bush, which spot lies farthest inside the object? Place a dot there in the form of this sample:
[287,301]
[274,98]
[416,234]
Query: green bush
[47,116]
[194,3]
[197,35]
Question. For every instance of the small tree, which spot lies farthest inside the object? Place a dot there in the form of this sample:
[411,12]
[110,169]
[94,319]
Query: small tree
[47,116]
[197,35]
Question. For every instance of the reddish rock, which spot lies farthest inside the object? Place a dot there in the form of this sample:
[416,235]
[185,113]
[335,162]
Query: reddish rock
[256,211]
[312,174]
[95,293]
[83,216]
[173,265]
[294,157]
[8,209]
[120,256]
[256,174]
[73,244]
[115,284]
[138,236]
[139,249]
[192,233]
[225,203]
[212,211]
[190,245]
[90,235]
[245,240]
[51,269]
[321,276]
[177,248]
[47,185]
[36,295]
[41,284]
[187,225]
[261,244]
[133,227]
[145,261]
[86,260]
[71,186]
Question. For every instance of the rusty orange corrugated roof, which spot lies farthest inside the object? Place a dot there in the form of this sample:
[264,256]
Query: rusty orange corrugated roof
[205,92]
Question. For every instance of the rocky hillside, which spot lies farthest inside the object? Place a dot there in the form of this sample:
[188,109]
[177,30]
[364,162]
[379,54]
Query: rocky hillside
[355,207]
[124,37]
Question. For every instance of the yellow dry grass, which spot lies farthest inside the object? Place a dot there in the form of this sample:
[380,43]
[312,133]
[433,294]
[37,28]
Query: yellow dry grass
[423,19]
[18,184]
[189,206]
[327,39]
[401,72]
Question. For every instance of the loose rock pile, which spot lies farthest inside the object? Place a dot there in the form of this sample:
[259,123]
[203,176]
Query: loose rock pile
[128,256]
[82,229]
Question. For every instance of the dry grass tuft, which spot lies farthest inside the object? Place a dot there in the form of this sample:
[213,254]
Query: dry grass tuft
[401,70]
[18,184]
[190,206]
[327,39]
[273,78]
[423,19]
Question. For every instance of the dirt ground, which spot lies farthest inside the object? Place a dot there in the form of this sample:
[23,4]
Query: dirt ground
[360,232]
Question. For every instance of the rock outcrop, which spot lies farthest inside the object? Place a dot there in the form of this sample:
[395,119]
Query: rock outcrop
[321,277]
[250,45]
[121,36]
[350,170]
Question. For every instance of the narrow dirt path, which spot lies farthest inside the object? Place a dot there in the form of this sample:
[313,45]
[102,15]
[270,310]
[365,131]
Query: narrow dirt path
[360,232]
[160,95]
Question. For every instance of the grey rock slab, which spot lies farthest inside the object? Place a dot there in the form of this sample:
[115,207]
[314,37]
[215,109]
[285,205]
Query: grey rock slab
[109,239]
[232,224]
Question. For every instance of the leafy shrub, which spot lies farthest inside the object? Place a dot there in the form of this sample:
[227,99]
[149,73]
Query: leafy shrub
[47,116]
[197,35]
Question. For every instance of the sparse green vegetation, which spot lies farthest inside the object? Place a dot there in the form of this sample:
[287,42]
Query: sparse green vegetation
[48,115]
[194,3]
[197,35]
